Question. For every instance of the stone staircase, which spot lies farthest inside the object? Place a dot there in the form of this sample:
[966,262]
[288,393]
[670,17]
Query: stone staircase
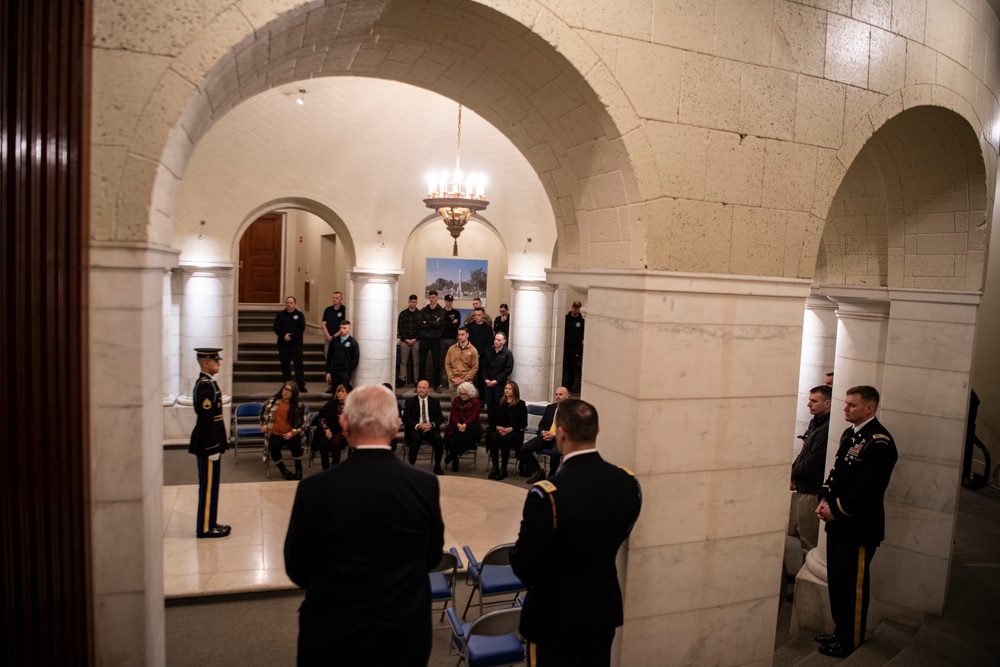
[933,644]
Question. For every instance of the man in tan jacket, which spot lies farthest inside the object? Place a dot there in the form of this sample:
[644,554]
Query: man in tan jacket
[461,363]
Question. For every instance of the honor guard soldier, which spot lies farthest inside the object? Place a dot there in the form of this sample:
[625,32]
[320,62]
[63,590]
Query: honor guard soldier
[208,442]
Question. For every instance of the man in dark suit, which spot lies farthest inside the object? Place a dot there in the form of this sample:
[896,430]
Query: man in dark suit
[851,505]
[571,529]
[422,420]
[361,539]
[289,325]
[208,442]
[546,439]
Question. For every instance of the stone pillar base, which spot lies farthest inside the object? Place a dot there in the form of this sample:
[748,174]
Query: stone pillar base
[811,608]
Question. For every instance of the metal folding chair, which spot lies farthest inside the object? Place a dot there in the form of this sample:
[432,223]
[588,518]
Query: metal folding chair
[493,576]
[245,427]
[443,580]
[491,640]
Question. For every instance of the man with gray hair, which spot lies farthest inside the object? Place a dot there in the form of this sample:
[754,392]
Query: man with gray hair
[361,539]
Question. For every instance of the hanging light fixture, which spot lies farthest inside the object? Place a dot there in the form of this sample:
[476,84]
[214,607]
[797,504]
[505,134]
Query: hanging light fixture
[455,198]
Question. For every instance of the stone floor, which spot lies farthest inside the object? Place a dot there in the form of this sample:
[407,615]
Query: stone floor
[477,513]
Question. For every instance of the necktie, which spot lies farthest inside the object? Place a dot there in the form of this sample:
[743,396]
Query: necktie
[423,410]
[552,429]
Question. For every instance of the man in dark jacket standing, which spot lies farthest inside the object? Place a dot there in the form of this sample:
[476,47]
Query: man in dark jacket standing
[807,470]
[289,325]
[361,539]
[342,357]
[851,505]
[431,326]
[208,442]
[571,529]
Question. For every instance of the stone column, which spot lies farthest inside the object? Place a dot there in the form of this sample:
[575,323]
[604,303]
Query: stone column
[126,484]
[863,319]
[206,311]
[373,299]
[532,336]
[692,376]
[819,341]
[925,404]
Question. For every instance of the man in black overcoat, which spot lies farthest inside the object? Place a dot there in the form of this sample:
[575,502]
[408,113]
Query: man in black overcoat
[851,505]
[571,528]
[361,540]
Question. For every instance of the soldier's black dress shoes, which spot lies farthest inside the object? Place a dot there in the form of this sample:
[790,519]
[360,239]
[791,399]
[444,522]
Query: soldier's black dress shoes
[826,639]
[836,650]
[218,531]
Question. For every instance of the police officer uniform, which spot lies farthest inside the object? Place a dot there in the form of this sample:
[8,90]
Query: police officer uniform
[854,490]
[571,529]
[208,442]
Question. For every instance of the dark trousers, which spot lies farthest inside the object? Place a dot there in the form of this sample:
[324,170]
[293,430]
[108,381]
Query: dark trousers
[849,579]
[535,445]
[276,442]
[208,494]
[572,366]
[433,348]
[501,445]
[589,656]
[287,356]
[457,443]
[493,396]
[330,449]
[414,438]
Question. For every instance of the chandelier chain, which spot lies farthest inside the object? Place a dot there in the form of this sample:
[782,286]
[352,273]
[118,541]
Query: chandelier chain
[458,143]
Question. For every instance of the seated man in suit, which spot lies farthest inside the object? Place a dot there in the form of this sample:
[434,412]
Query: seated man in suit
[546,439]
[361,539]
[422,419]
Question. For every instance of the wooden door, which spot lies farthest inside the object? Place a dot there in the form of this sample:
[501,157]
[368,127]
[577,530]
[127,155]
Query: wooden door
[260,260]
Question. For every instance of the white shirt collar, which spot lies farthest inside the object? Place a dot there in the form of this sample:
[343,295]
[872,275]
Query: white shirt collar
[860,426]
[373,447]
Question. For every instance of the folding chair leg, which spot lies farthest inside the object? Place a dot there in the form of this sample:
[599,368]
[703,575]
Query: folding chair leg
[467,604]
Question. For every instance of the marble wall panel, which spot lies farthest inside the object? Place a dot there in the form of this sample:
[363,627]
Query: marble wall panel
[933,345]
[692,638]
[927,438]
[925,485]
[910,579]
[907,389]
[120,630]
[690,435]
[113,572]
[919,530]
[702,575]
[695,507]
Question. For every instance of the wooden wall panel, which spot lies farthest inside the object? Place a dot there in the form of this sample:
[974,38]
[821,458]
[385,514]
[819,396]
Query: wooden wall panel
[44,458]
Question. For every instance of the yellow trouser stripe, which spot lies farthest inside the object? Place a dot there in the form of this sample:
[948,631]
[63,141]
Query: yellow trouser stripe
[857,597]
[532,657]
[208,496]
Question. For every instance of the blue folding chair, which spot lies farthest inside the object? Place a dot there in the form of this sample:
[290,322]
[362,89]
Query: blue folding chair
[443,580]
[493,576]
[491,640]
[245,427]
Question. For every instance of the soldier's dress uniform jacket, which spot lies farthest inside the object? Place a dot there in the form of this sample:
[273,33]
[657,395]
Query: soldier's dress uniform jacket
[571,529]
[856,486]
[208,438]
[854,491]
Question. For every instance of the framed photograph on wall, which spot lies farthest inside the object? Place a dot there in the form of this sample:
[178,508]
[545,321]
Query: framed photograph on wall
[464,279]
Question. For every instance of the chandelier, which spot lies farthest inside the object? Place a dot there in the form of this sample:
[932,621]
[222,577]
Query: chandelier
[454,198]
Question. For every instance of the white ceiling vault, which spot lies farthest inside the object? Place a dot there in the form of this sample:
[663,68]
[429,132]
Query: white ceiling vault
[361,147]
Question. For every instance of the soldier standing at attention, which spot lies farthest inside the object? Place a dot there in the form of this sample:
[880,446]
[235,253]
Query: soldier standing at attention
[208,442]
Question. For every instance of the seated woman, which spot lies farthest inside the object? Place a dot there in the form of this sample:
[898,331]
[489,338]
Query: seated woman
[329,436]
[506,428]
[463,430]
[283,420]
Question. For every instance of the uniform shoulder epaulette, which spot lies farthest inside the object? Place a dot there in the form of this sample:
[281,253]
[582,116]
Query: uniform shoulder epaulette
[546,486]
[881,436]
[627,471]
